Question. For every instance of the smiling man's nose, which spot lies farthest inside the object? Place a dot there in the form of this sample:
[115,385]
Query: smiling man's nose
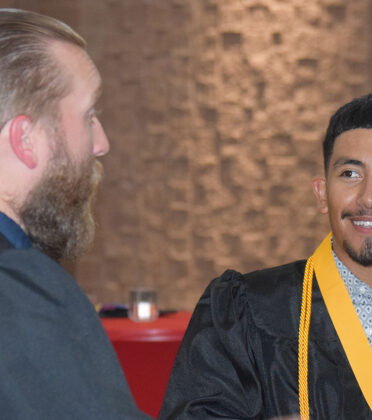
[365,194]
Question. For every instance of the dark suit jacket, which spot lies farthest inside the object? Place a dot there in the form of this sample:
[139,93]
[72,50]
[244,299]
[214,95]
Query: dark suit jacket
[56,361]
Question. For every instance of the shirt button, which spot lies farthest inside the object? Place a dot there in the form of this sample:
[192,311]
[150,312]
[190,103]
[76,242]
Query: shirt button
[362,289]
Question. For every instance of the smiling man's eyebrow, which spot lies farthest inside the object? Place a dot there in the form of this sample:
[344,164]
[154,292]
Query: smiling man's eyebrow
[347,161]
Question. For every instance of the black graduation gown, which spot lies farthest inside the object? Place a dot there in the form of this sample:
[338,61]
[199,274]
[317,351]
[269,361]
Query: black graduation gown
[56,362]
[238,359]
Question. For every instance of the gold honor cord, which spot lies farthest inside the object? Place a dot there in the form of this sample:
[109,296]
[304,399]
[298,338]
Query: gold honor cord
[303,341]
[344,318]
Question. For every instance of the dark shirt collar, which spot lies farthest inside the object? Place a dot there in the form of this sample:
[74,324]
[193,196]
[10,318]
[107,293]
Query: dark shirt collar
[13,232]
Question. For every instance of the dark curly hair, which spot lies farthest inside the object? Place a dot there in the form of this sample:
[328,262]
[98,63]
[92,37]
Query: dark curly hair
[354,114]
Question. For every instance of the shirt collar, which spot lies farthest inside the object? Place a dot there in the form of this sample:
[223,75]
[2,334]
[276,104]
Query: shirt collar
[13,232]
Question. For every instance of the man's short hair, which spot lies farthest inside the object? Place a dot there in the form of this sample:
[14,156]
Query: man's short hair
[354,114]
[31,79]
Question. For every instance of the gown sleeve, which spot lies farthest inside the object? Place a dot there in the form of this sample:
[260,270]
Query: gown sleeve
[215,375]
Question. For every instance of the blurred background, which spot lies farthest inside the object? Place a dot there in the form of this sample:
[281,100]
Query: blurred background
[215,111]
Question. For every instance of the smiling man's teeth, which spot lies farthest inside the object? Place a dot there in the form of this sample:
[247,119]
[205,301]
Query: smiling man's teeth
[363,224]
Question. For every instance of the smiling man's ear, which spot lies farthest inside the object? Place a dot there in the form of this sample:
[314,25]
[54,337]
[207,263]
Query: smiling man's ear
[320,191]
[21,140]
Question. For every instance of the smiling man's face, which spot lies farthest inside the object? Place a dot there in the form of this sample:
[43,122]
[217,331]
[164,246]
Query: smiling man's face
[346,195]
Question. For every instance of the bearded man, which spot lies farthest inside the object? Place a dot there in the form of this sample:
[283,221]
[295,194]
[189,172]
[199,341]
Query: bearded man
[55,360]
[295,339]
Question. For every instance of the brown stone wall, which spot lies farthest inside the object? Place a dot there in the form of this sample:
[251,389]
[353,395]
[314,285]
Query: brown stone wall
[215,111]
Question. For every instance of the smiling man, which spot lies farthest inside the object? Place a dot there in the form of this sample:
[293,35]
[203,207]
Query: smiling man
[55,360]
[295,339]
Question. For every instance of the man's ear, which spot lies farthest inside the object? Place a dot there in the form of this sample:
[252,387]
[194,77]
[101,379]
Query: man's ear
[21,140]
[320,191]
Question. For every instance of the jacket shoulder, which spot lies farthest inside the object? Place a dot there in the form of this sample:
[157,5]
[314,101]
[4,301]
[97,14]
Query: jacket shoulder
[282,273]
[269,299]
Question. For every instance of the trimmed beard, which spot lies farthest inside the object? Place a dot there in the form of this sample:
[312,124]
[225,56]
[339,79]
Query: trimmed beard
[364,256]
[57,213]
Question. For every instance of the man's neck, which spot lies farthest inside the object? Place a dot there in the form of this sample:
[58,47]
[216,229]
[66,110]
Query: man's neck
[8,211]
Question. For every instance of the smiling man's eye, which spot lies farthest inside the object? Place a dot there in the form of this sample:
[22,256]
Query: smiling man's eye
[350,174]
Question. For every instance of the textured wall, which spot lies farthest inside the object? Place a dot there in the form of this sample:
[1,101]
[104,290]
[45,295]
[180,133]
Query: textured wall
[215,111]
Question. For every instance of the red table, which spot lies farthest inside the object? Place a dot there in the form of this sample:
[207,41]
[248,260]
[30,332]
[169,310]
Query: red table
[146,351]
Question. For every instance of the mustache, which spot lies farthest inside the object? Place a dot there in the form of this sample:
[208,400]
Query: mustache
[357,213]
[97,172]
